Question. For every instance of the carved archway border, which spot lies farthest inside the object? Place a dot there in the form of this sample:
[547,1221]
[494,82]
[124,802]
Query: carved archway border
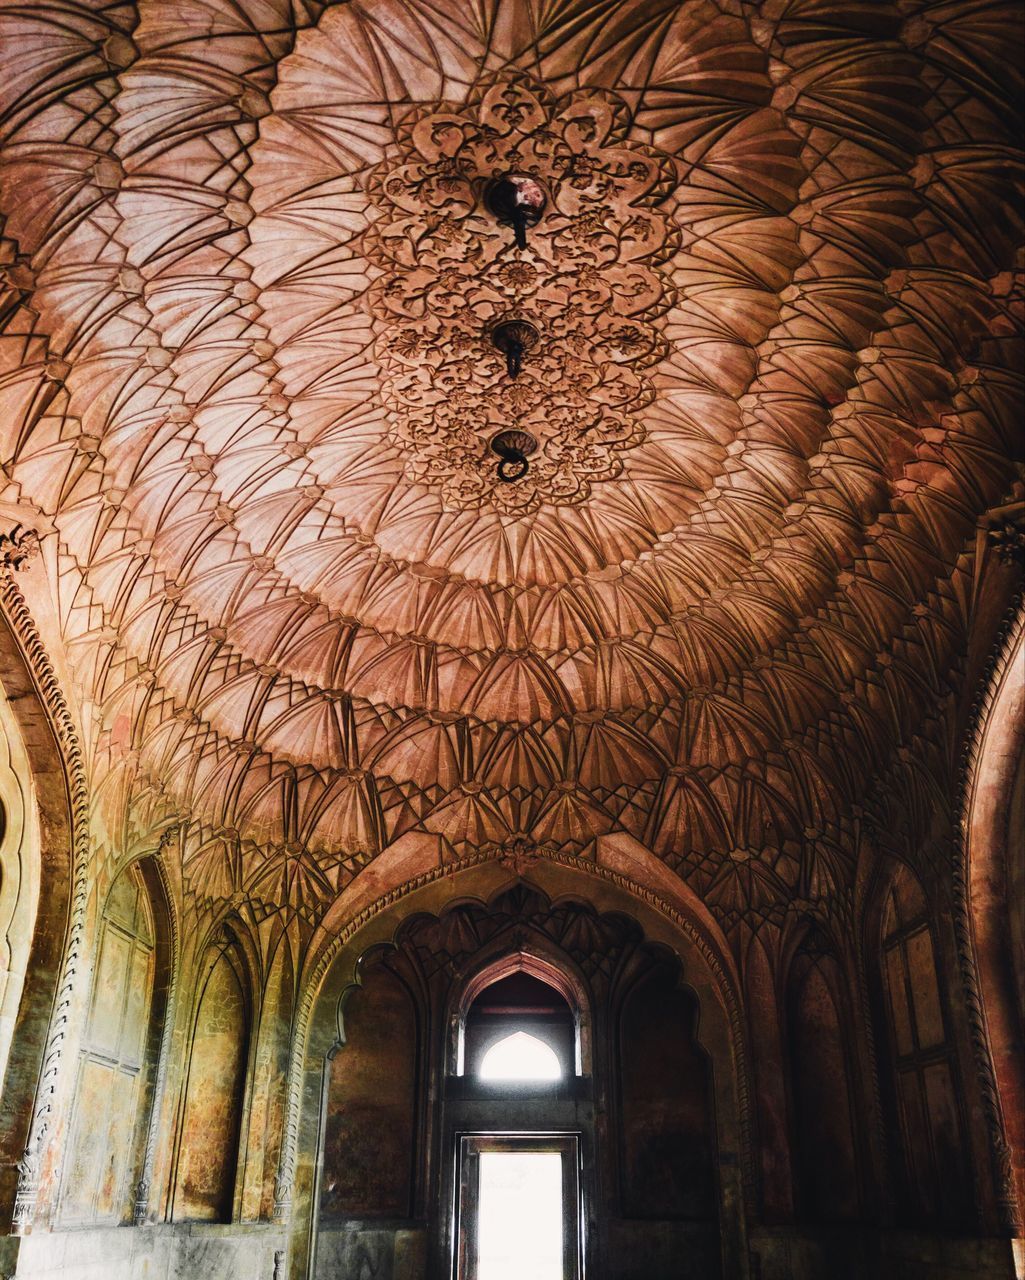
[69,748]
[1009,637]
[717,971]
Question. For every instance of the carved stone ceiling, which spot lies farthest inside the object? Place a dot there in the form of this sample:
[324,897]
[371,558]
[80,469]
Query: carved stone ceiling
[247,381]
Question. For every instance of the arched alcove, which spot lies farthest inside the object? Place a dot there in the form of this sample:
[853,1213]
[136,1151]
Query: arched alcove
[271,1040]
[665,1127]
[472,909]
[370,1110]
[665,1103]
[117,1064]
[822,1100]
[205,1175]
[770,1084]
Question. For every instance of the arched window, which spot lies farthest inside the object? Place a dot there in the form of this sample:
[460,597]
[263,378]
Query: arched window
[520,1056]
[517,1179]
[519,1027]
[107,1127]
[208,1145]
[923,1084]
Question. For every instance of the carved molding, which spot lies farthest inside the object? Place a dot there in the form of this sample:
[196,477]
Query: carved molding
[17,547]
[66,734]
[1002,653]
[1005,532]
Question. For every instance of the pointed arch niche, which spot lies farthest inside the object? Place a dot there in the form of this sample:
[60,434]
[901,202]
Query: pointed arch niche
[212,1113]
[118,1060]
[642,1015]
[822,1092]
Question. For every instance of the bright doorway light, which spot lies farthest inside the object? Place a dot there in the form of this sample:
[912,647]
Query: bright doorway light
[520,1057]
[520,1227]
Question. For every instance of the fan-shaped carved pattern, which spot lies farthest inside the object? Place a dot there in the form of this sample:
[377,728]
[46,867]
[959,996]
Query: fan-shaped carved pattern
[246,276]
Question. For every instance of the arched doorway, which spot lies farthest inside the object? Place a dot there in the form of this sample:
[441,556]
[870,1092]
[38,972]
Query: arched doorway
[622,1016]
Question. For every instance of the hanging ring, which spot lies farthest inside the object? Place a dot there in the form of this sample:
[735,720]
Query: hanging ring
[513,448]
[513,466]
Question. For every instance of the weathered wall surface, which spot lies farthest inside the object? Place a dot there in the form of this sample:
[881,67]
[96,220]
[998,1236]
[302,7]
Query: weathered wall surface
[186,1252]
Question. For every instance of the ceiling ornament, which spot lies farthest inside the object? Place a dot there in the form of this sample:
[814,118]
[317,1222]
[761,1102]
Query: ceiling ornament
[514,338]
[590,283]
[516,201]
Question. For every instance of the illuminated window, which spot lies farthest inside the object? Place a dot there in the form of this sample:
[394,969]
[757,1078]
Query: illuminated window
[519,1028]
[520,1057]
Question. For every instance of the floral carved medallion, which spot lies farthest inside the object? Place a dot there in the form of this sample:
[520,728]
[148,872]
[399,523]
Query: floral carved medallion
[590,281]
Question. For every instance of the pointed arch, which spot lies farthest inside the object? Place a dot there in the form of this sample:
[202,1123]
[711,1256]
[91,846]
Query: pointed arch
[989,886]
[823,1105]
[46,917]
[212,1114]
[106,1152]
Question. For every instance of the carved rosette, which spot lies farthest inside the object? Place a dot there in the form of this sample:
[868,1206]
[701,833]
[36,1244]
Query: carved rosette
[590,280]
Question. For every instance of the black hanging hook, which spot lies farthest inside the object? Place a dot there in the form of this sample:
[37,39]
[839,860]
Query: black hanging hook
[516,201]
[514,466]
[513,338]
[514,449]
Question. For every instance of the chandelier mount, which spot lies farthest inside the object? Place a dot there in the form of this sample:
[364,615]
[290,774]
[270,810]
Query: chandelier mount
[518,201]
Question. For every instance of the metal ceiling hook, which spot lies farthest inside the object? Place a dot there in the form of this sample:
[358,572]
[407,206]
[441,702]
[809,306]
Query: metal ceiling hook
[514,449]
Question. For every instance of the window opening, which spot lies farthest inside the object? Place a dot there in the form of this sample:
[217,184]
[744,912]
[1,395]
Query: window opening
[520,1057]
[519,1028]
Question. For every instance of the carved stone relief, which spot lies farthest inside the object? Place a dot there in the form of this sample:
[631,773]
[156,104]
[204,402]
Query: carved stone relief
[247,387]
[591,281]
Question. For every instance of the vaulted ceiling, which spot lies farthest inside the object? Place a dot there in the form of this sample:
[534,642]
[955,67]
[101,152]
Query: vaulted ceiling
[248,390]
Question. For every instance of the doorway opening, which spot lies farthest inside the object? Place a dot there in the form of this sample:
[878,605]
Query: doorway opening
[519,1211]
